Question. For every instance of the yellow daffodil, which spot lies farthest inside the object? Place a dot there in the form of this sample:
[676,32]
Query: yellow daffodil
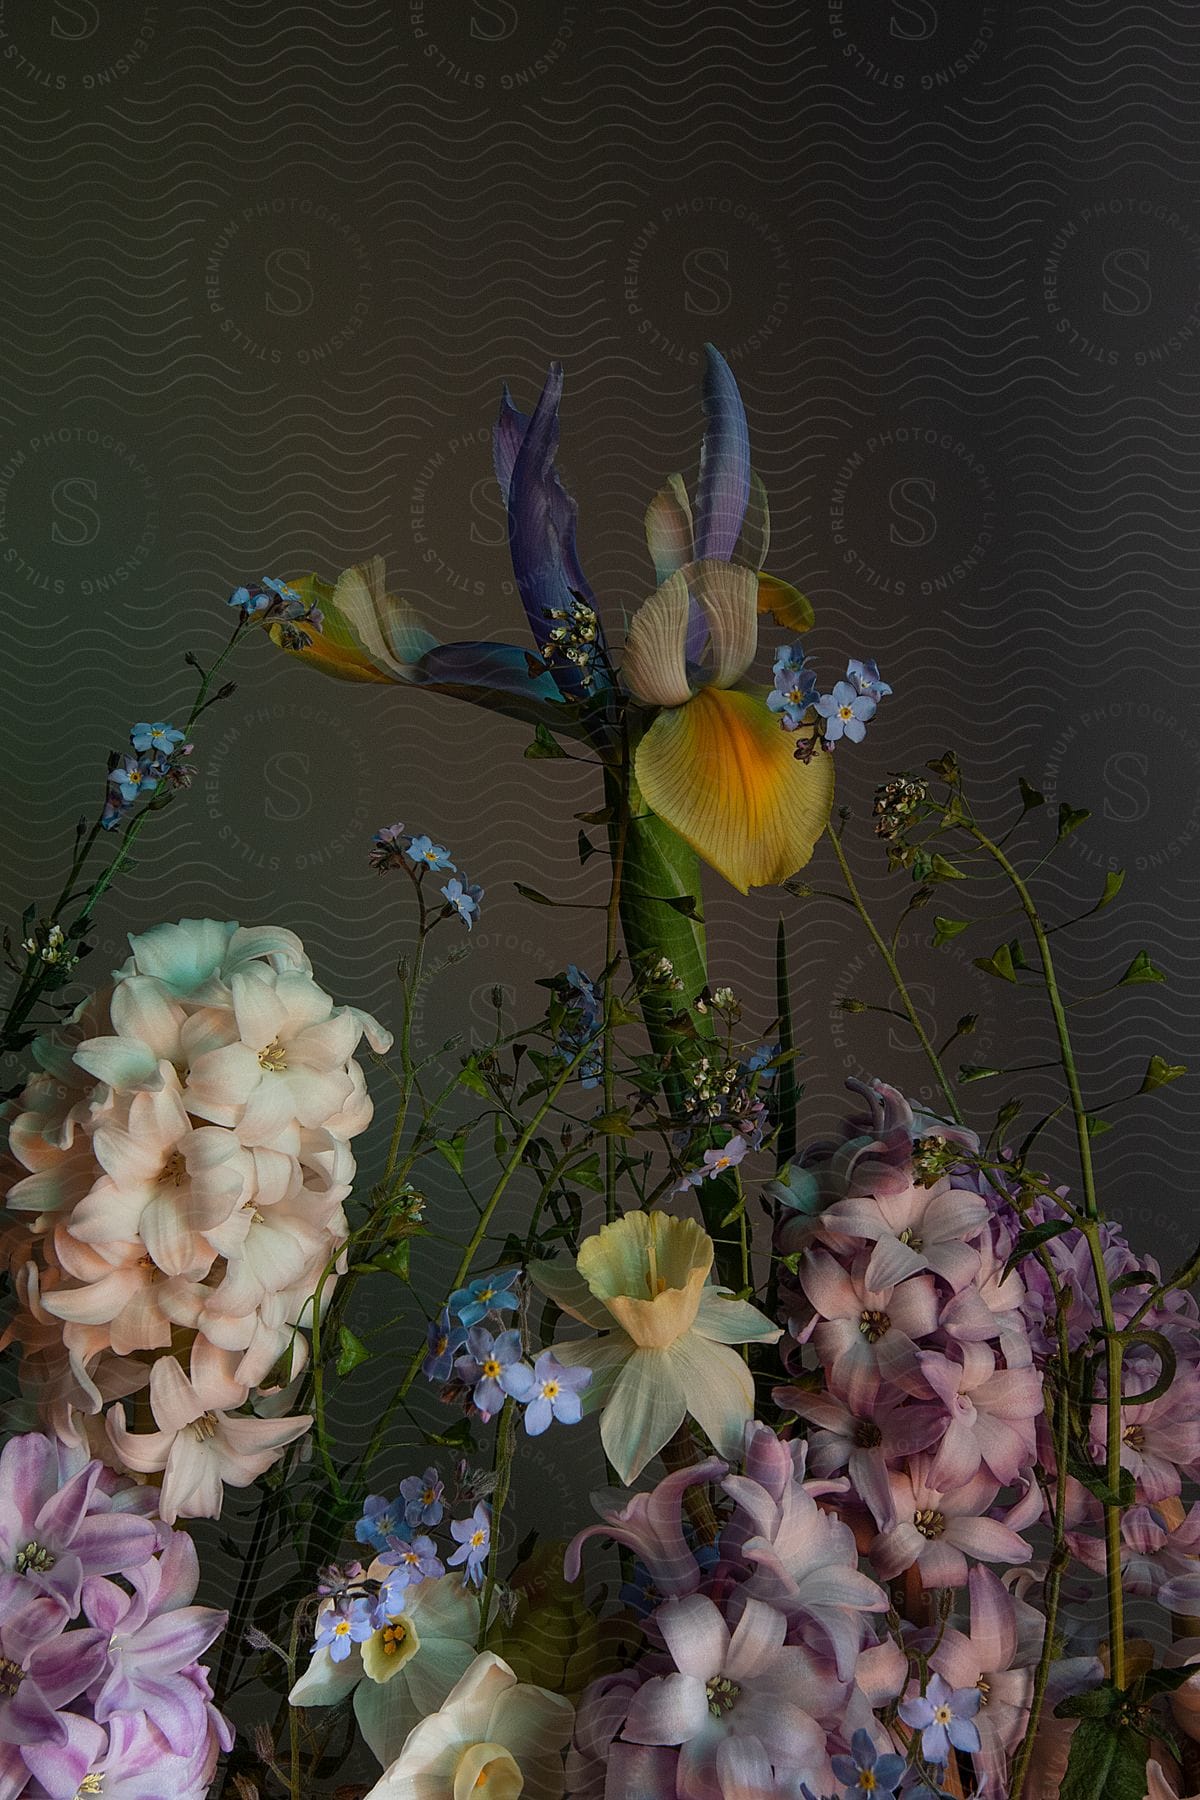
[643,1282]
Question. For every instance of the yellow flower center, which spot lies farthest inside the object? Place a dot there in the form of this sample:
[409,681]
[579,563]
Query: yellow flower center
[478,1538]
[873,1324]
[204,1427]
[985,1690]
[34,1556]
[845,712]
[1134,1436]
[273,1060]
[393,1638]
[487,1770]
[172,1170]
[550,1390]
[486,1294]
[342,1628]
[930,1523]
[11,1677]
[91,1784]
[492,1368]
[867,1781]
[722,1695]
[942,1715]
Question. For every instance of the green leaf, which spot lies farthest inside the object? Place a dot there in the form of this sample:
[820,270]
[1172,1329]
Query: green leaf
[613,1124]
[529,893]
[586,847]
[470,1077]
[499,1141]
[1107,1759]
[1159,1072]
[1098,1703]
[453,1149]
[1070,818]
[600,815]
[955,812]
[976,1072]
[1000,963]
[351,1351]
[1030,797]
[1114,881]
[1141,969]
[1096,1482]
[543,745]
[682,903]
[1165,1353]
[940,869]
[944,929]
[1029,1240]
[588,1174]
[1096,1126]
[458,1435]
[394,1258]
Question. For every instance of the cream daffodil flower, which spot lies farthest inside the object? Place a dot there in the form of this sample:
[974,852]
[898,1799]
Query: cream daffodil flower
[406,1669]
[643,1282]
[713,763]
[494,1738]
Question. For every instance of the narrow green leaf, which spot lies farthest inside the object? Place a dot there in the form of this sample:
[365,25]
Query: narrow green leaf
[999,963]
[1019,959]
[599,815]
[529,893]
[940,869]
[1159,1072]
[944,929]
[1070,818]
[543,745]
[1141,969]
[1114,881]
[458,1435]
[1030,796]
[1029,1240]
[351,1351]
[586,847]
[1096,1126]
[499,1141]
[976,1072]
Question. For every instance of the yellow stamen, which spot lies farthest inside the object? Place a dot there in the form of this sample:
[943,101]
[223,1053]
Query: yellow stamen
[273,1059]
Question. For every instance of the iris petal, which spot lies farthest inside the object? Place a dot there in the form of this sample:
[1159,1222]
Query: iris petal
[720,773]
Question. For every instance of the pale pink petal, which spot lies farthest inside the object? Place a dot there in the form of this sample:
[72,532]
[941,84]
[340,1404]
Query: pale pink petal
[695,1634]
[668,1709]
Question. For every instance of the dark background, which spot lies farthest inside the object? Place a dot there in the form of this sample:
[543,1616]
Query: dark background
[266,268]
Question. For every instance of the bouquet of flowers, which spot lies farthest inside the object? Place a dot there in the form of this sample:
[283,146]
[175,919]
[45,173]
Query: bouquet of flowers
[902,1433]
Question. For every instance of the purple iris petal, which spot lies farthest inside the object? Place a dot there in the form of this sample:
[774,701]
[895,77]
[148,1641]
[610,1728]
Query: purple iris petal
[723,487]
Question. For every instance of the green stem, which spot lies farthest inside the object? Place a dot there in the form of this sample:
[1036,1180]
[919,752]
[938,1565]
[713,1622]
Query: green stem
[618,839]
[1090,1227]
[505,1439]
[893,969]
[1058,1551]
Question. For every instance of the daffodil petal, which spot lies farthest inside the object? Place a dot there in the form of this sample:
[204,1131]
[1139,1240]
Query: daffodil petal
[729,1321]
[721,773]
[669,528]
[719,1389]
[786,605]
[647,1406]
[570,1293]
[654,664]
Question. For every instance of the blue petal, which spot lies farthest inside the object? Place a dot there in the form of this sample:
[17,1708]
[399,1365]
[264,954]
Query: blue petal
[496,676]
[541,517]
[724,485]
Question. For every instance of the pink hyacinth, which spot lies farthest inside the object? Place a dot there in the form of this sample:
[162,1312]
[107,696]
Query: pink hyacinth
[182,1157]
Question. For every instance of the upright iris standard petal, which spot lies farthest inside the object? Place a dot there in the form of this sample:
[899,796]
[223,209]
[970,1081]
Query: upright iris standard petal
[722,775]
[723,488]
[541,521]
